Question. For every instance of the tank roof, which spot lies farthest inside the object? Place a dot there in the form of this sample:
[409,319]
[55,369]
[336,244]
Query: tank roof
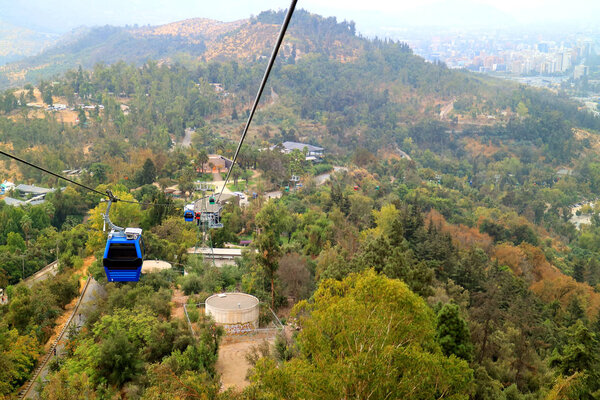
[150,266]
[232,301]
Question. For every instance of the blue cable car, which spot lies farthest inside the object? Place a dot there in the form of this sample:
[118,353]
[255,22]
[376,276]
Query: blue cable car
[188,215]
[124,255]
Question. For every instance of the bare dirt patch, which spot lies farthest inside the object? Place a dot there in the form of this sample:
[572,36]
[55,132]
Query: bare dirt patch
[178,300]
[581,134]
[232,364]
[475,147]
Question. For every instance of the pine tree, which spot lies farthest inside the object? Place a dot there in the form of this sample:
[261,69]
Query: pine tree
[148,174]
[453,333]
[578,270]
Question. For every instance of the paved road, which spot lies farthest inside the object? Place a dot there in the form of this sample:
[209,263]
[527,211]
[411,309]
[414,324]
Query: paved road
[226,191]
[187,139]
[321,179]
[93,292]
[446,109]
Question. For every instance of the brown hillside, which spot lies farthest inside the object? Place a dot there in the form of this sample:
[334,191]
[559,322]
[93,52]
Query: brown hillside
[244,39]
[208,29]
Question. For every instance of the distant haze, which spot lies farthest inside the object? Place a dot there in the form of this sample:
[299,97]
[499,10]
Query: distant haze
[371,17]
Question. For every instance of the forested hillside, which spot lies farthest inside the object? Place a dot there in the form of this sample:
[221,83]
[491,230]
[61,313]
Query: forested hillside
[188,42]
[441,259]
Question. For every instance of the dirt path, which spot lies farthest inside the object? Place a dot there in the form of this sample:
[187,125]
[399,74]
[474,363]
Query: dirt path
[84,269]
[178,299]
[62,319]
[232,364]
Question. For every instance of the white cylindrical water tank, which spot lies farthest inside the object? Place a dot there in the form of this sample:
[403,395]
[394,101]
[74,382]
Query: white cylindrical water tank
[233,309]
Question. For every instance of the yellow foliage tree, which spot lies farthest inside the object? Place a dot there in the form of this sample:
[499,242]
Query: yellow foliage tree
[121,214]
[367,336]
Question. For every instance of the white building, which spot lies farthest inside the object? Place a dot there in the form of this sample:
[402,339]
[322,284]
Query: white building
[313,153]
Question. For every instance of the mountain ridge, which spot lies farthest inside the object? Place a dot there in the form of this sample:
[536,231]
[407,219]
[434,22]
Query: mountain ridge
[17,42]
[195,39]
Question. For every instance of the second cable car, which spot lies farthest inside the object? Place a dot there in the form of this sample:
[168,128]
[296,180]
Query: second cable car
[188,215]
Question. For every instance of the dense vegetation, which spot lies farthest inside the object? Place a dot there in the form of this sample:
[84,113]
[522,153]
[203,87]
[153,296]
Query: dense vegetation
[454,272]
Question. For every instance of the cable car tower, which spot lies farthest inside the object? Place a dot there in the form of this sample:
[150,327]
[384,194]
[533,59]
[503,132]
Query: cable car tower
[208,216]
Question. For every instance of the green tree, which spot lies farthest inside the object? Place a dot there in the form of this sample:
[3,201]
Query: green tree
[99,172]
[119,360]
[81,115]
[453,333]
[201,159]
[148,173]
[236,173]
[16,242]
[367,336]
[267,257]
[522,110]
[47,96]
[26,226]
[18,354]
[246,176]
[30,92]
[579,357]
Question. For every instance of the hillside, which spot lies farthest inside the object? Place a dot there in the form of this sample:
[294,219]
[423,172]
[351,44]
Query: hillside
[191,40]
[440,213]
[17,42]
[86,47]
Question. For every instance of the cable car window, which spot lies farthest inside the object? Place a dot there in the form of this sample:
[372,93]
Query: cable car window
[122,251]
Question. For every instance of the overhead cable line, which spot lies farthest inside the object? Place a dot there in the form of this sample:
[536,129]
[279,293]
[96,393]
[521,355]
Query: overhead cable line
[52,173]
[284,27]
[107,193]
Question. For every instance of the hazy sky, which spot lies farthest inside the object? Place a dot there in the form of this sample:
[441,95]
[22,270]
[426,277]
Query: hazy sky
[63,15]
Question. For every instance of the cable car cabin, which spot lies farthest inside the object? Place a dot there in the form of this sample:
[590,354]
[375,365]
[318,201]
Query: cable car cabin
[123,255]
[188,215]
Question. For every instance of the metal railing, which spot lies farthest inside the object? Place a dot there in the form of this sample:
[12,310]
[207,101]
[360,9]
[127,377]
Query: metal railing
[276,321]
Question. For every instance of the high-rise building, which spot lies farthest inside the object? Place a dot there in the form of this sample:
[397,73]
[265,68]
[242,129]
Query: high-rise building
[543,47]
[566,61]
[580,71]
[587,48]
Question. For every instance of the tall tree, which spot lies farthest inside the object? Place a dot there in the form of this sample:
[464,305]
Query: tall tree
[267,258]
[453,333]
[201,159]
[367,336]
[148,173]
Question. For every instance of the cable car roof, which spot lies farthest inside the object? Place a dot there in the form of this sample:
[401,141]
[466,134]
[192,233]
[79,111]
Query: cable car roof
[124,236]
